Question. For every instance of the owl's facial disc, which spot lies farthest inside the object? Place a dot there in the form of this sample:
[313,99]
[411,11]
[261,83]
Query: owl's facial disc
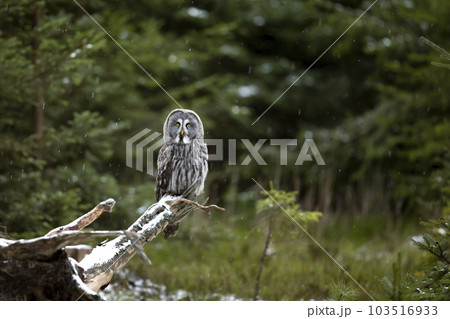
[182,131]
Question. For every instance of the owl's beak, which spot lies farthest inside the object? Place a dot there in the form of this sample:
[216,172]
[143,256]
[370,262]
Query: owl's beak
[182,132]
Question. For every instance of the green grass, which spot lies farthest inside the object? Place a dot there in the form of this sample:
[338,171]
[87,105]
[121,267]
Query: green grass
[219,255]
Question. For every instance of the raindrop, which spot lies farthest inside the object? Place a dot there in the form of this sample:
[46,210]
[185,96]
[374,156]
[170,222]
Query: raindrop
[43,105]
[250,69]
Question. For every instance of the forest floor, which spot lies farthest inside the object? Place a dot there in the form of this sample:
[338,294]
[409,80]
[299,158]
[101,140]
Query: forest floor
[209,261]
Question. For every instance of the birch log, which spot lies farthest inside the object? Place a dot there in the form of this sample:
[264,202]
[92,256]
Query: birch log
[100,265]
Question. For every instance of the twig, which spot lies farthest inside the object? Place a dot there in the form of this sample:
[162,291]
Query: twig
[86,219]
[203,207]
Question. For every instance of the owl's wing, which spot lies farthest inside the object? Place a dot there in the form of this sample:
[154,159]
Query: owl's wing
[164,171]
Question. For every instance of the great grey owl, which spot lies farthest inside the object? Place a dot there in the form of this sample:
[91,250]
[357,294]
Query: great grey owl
[183,159]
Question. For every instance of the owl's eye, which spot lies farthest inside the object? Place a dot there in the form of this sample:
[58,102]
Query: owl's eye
[188,125]
[177,125]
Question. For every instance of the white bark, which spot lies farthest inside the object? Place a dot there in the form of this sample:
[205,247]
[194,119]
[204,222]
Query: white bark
[100,265]
[104,261]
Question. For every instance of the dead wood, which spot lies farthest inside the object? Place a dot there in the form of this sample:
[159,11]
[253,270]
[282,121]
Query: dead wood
[86,219]
[39,268]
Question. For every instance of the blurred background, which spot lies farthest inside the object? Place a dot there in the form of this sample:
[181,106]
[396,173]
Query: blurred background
[375,105]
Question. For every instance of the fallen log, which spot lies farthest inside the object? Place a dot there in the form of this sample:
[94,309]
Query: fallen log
[39,268]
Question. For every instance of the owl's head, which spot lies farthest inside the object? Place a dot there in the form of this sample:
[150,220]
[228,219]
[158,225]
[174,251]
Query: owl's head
[183,126]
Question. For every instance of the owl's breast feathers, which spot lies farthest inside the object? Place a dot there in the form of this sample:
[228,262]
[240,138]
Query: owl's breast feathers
[181,166]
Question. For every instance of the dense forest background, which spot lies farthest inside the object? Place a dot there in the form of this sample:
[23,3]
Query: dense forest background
[374,104]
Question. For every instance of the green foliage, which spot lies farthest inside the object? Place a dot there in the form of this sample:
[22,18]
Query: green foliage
[444,53]
[279,202]
[56,175]
[340,291]
[436,244]
[434,281]
[376,108]
[275,201]
[395,287]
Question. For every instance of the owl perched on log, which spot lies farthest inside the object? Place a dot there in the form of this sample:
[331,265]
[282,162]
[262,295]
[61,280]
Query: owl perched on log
[182,160]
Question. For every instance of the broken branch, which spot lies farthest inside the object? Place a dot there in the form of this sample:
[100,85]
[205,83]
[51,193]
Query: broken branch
[86,219]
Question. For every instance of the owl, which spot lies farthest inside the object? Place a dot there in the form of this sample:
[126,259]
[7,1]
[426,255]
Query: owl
[183,159]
